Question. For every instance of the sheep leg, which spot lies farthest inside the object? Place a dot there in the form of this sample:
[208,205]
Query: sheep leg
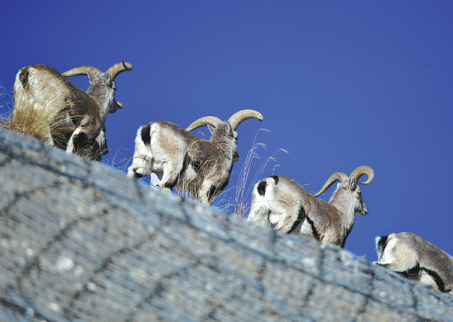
[259,213]
[48,137]
[79,139]
[286,222]
[208,191]
[427,279]
[288,216]
[169,177]
[142,162]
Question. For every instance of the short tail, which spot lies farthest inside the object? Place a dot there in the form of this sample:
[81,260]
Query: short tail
[380,245]
[23,76]
[262,188]
[146,134]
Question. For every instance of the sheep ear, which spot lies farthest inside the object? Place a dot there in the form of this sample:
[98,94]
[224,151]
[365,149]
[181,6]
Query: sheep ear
[352,184]
[211,128]
[108,78]
[91,77]
[230,130]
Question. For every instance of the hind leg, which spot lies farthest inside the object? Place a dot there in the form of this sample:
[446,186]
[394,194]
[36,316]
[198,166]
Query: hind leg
[142,162]
[79,139]
[427,279]
[170,176]
[288,215]
[259,211]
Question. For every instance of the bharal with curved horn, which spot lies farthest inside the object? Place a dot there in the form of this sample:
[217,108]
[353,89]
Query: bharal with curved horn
[281,203]
[81,115]
[185,162]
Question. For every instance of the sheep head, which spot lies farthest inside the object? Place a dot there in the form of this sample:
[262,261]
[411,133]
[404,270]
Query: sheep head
[102,85]
[225,132]
[347,188]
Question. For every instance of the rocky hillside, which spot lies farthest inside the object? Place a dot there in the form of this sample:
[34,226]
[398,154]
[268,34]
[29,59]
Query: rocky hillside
[82,242]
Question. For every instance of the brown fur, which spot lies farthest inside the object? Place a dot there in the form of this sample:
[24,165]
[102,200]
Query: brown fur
[84,119]
[198,166]
[296,211]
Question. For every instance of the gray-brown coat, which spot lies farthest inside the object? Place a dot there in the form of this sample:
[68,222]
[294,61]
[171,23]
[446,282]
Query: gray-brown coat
[183,161]
[282,203]
[85,118]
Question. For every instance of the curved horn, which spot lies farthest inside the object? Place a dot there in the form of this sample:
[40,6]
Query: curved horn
[241,116]
[117,69]
[82,70]
[337,176]
[360,171]
[211,120]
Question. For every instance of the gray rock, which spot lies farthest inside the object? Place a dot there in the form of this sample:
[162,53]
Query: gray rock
[80,241]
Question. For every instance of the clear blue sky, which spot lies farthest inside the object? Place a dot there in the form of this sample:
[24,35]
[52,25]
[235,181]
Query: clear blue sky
[340,84]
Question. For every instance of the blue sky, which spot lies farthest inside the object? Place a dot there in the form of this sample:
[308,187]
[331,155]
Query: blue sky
[340,84]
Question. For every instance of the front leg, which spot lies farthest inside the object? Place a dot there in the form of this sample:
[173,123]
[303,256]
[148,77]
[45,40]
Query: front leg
[207,193]
[169,177]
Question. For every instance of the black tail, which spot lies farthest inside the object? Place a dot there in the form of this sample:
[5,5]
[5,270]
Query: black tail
[275,179]
[23,76]
[146,134]
[380,244]
[262,188]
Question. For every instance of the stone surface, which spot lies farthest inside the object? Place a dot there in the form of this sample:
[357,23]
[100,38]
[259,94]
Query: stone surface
[80,241]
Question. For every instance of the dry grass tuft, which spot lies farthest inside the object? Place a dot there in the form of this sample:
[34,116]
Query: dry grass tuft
[242,202]
[121,165]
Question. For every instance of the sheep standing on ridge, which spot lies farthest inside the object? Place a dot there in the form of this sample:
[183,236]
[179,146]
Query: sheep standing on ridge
[41,85]
[416,258]
[283,204]
[185,162]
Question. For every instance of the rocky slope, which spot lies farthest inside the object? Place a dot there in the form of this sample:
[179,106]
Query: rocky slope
[82,242]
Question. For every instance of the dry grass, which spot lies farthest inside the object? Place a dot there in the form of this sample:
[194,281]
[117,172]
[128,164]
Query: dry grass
[242,201]
[121,165]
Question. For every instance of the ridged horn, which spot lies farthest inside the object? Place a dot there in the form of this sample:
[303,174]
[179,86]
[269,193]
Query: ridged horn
[211,120]
[82,70]
[241,116]
[117,69]
[360,171]
[337,176]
